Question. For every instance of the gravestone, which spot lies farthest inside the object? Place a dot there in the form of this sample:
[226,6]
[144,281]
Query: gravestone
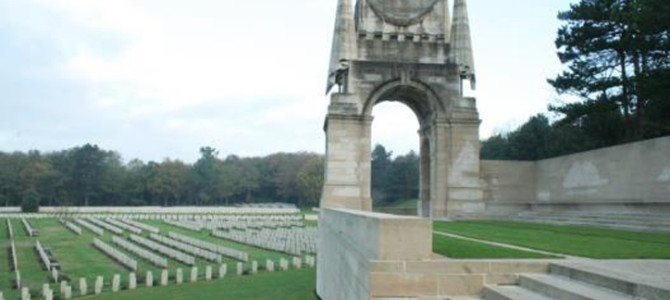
[270,265]
[48,296]
[194,274]
[297,262]
[164,277]
[54,275]
[116,283]
[240,269]
[180,276]
[25,294]
[208,273]
[63,284]
[149,279]
[132,281]
[83,287]
[99,282]
[254,267]
[68,292]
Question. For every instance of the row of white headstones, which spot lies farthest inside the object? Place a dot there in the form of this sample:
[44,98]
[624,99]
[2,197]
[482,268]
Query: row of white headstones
[66,291]
[119,256]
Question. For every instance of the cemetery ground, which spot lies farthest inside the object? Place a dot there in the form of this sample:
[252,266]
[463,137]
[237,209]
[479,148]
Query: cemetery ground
[79,259]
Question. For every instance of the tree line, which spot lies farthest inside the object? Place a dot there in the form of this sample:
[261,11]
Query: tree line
[617,58]
[90,176]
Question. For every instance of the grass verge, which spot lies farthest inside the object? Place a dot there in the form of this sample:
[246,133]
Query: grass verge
[583,241]
[464,249]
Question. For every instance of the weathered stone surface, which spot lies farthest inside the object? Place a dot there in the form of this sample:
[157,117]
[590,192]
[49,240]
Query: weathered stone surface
[149,279]
[180,276]
[194,274]
[410,53]
[132,281]
[208,273]
[164,277]
[98,285]
[83,287]
[116,283]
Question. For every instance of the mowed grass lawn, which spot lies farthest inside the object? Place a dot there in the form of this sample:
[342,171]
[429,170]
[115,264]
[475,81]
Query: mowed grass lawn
[464,249]
[582,241]
[291,285]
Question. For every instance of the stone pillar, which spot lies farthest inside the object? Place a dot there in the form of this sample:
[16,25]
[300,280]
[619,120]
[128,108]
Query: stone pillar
[132,281]
[194,274]
[164,277]
[223,269]
[208,273]
[83,287]
[465,194]
[348,166]
[180,276]
[99,282]
[149,279]
[116,283]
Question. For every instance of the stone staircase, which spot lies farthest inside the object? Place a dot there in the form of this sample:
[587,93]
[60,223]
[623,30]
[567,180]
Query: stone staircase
[628,221]
[574,282]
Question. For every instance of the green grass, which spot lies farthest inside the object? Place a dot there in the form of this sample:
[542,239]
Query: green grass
[464,249]
[6,275]
[572,240]
[402,207]
[292,285]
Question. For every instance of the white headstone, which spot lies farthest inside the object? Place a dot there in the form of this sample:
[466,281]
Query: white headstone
[194,274]
[223,269]
[48,296]
[63,285]
[132,281]
[2,297]
[116,283]
[208,273]
[25,294]
[254,267]
[68,292]
[54,275]
[99,281]
[180,276]
[149,280]
[270,265]
[164,278]
[297,262]
[240,269]
[83,287]
[45,289]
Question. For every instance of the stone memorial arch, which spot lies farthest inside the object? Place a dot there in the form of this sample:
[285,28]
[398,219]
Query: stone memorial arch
[414,52]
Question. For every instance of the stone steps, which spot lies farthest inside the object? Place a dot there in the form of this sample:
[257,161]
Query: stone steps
[511,293]
[578,282]
[558,287]
[621,283]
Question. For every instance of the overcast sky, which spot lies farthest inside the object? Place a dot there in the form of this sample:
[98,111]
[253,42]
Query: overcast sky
[161,78]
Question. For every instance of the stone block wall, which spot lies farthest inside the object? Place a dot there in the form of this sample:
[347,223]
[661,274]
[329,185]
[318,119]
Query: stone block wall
[631,177]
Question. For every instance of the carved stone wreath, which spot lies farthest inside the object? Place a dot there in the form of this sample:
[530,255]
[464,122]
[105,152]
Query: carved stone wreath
[402,12]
